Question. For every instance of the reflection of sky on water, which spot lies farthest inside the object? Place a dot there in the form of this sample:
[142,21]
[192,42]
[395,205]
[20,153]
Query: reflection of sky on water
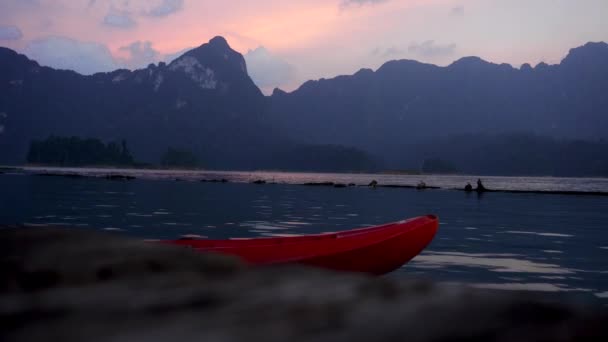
[531,275]
[113,229]
[552,251]
[542,287]
[492,262]
[502,241]
[537,233]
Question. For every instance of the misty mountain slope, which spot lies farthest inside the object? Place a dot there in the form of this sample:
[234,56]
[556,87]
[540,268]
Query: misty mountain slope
[404,102]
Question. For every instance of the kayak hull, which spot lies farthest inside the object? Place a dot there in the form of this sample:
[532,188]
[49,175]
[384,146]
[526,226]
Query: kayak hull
[375,250]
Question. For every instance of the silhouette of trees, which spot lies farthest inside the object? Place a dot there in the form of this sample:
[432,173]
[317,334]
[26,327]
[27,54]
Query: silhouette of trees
[75,151]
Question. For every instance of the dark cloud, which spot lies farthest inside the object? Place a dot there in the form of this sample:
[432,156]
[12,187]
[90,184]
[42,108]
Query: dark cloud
[88,58]
[267,70]
[457,11]
[431,49]
[140,55]
[165,8]
[122,12]
[119,19]
[10,33]
[427,49]
[348,3]
[65,53]
[392,51]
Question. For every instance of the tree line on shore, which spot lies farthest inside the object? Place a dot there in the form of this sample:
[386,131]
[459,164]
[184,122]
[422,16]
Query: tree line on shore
[76,151]
[508,155]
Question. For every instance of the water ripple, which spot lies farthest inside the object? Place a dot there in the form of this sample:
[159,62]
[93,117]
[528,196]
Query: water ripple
[540,287]
[537,233]
[492,262]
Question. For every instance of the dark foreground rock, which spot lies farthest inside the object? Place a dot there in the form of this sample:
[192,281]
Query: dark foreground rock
[61,174]
[66,285]
[319,184]
[119,177]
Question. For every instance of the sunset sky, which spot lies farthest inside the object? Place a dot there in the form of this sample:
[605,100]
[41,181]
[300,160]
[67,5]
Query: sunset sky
[288,42]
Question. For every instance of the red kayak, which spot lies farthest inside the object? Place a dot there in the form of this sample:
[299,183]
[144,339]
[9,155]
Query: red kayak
[376,250]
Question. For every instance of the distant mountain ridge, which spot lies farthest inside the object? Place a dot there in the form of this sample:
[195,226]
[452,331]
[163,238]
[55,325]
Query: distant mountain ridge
[205,101]
[407,101]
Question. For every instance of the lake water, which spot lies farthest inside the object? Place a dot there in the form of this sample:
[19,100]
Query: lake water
[548,243]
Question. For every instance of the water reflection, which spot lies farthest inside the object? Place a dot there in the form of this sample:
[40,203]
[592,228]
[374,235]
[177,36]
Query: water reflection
[140,215]
[540,287]
[113,229]
[280,234]
[29,224]
[193,236]
[295,223]
[264,226]
[492,262]
[538,233]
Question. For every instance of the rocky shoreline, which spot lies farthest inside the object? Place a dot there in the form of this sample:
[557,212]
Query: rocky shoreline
[73,285]
[116,175]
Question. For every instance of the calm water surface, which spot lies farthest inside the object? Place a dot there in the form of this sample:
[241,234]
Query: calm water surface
[548,243]
[442,181]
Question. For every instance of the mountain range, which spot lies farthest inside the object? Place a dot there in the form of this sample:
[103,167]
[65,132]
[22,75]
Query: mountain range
[393,117]
[406,101]
[204,100]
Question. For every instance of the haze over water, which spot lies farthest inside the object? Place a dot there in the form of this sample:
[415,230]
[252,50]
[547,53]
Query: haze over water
[549,243]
